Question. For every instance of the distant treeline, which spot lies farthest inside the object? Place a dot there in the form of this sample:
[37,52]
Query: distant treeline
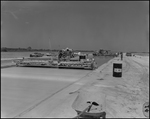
[4,49]
[29,49]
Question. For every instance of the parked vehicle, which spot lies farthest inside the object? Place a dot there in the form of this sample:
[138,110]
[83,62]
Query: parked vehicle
[48,54]
[36,54]
[128,54]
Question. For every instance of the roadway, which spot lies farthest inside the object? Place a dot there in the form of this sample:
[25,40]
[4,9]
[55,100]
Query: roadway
[23,88]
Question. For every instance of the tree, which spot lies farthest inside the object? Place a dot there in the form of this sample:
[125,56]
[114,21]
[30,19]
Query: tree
[101,51]
[29,48]
[4,49]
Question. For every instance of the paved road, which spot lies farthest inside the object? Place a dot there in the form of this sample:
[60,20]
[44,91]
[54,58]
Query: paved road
[23,87]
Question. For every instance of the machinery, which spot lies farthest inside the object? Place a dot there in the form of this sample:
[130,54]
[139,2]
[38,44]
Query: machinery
[36,54]
[37,62]
[87,114]
[66,59]
[128,54]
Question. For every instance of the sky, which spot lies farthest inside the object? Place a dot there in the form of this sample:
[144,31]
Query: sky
[83,25]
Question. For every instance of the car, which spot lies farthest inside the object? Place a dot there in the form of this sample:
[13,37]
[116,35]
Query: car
[128,54]
[36,54]
[48,54]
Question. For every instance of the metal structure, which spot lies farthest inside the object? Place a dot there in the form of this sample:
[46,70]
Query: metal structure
[66,59]
[36,54]
[69,59]
[36,62]
[87,114]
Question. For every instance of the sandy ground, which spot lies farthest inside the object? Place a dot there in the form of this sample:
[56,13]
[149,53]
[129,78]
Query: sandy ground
[118,97]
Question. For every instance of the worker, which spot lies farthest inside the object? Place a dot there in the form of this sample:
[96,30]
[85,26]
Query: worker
[90,56]
[59,55]
[121,55]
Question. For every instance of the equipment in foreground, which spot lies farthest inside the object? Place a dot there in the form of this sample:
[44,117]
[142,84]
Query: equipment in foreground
[90,102]
[117,69]
[145,109]
[87,114]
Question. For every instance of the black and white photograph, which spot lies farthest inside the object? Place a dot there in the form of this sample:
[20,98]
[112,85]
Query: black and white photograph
[74,59]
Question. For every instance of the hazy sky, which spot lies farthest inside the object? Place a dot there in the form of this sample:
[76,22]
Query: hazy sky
[118,26]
